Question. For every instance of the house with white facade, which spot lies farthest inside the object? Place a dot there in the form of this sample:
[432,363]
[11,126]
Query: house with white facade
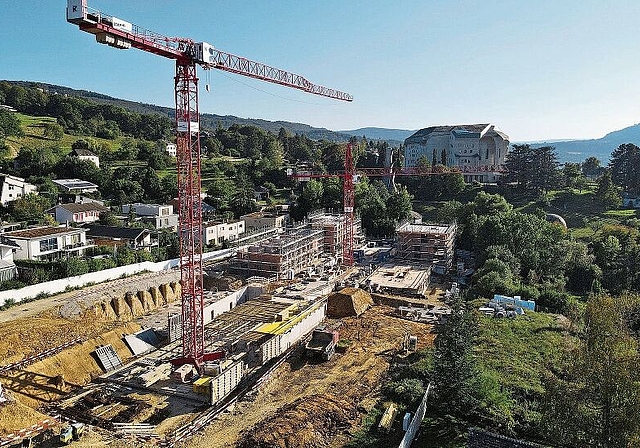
[160,216]
[172,149]
[262,219]
[217,232]
[8,268]
[85,154]
[49,242]
[77,213]
[477,147]
[13,187]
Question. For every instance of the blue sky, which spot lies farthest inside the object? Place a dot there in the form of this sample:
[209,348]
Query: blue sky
[538,69]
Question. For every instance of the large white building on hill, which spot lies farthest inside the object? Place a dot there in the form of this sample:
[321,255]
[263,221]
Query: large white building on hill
[465,146]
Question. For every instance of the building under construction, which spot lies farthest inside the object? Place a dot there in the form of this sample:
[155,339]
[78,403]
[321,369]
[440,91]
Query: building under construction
[282,256]
[427,243]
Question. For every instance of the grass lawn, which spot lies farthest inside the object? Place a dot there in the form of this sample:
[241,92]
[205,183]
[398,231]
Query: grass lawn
[33,128]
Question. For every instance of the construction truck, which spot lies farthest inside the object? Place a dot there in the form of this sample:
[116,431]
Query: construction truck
[323,343]
[71,432]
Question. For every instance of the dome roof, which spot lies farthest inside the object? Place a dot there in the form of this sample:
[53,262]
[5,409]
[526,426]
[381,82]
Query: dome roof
[557,219]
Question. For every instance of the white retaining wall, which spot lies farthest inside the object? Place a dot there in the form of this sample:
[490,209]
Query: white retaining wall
[58,286]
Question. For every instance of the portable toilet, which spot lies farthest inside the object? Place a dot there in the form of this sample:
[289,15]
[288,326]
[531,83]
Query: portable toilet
[406,421]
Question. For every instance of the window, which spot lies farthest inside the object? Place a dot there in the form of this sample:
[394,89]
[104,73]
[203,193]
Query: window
[48,244]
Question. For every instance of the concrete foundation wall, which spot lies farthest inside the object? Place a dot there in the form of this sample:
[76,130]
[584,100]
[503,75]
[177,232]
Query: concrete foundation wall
[223,305]
[223,384]
[304,327]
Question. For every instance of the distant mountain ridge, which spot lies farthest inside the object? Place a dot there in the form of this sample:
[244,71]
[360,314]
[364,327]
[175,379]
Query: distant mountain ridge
[397,135]
[207,121]
[567,150]
[578,150]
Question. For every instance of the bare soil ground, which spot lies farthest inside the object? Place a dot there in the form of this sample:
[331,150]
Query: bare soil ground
[308,404]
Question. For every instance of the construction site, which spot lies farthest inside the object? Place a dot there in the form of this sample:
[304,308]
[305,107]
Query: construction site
[282,341]
[102,356]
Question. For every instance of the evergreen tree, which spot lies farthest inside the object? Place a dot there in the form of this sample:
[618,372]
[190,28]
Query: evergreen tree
[625,167]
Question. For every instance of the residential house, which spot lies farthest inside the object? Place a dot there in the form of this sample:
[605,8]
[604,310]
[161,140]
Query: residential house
[262,219]
[172,149]
[261,193]
[217,232]
[72,198]
[85,154]
[49,242]
[130,237]
[160,216]
[77,213]
[75,186]
[208,211]
[13,188]
[8,268]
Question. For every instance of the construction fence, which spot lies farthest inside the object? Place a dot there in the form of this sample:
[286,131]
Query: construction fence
[415,422]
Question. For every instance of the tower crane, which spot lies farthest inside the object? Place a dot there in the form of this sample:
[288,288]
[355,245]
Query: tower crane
[188,54]
[350,176]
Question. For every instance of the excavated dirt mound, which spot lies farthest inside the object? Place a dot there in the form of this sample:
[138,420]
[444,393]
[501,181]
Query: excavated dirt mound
[49,379]
[348,302]
[305,423]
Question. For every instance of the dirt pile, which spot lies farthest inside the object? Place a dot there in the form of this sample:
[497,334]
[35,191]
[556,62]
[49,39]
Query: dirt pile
[49,379]
[307,422]
[348,302]
[16,416]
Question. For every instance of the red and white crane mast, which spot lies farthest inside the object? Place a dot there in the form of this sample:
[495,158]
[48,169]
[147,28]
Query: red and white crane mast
[188,54]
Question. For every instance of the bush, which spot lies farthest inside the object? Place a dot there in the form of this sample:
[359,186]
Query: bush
[11,284]
[407,391]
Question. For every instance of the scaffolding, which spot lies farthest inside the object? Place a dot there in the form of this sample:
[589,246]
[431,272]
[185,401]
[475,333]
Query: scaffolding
[282,256]
[333,226]
[431,244]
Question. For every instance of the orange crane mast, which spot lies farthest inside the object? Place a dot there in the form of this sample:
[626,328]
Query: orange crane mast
[188,54]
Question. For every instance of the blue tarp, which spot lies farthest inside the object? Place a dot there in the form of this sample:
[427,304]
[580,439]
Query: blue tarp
[515,301]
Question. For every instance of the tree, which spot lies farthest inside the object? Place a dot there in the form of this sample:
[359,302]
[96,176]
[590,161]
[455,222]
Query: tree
[543,172]
[533,168]
[9,124]
[29,208]
[625,167]
[607,193]
[36,161]
[595,400]
[591,166]
[399,204]
[53,131]
[572,173]
[454,369]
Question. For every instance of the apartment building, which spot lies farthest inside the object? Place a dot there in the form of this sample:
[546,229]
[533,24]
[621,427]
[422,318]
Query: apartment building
[428,244]
[13,187]
[282,256]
